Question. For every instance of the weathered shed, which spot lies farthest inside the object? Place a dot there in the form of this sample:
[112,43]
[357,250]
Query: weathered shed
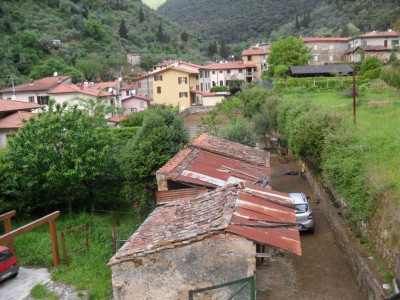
[203,241]
[213,162]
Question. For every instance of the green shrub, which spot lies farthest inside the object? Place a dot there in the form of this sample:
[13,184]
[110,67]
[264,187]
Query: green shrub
[123,134]
[377,86]
[373,74]
[219,89]
[240,131]
[134,120]
[369,64]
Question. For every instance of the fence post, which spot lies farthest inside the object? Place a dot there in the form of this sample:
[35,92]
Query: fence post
[54,244]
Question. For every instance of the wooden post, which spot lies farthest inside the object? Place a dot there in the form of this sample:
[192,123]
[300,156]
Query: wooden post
[7,226]
[54,243]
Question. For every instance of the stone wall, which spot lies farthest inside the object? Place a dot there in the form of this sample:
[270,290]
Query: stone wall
[369,280]
[170,274]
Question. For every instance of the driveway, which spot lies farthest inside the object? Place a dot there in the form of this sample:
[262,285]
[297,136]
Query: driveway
[18,288]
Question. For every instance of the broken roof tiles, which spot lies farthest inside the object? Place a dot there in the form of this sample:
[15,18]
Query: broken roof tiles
[255,213]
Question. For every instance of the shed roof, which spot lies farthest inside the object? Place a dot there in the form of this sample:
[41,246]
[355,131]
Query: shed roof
[7,106]
[227,148]
[325,39]
[321,69]
[256,52]
[254,213]
[228,65]
[94,90]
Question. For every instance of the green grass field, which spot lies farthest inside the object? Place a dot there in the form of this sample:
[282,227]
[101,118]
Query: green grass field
[377,126]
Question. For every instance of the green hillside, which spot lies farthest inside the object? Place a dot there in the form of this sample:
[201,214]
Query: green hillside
[236,20]
[88,39]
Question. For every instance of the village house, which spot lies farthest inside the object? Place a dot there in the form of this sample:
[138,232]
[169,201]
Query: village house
[143,84]
[12,114]
[208,99]
[204,241]
[259,58]
[380,44]
[326,50]
[72,93]
[35,91]
[223,73]
[321,70]
[172,85]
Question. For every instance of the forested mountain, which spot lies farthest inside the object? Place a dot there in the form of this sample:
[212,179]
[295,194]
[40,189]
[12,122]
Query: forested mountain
[235,21]
[94,35]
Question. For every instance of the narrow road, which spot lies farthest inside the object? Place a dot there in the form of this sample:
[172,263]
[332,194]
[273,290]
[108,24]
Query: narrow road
[322,272]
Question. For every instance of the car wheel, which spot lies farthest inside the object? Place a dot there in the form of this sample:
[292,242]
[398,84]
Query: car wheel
[15,275]
[311,230]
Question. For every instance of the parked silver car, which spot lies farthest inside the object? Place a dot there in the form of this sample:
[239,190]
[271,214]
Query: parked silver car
[304,213]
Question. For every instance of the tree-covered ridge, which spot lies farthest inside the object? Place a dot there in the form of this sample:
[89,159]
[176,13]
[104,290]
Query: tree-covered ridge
[94,35]
[237,21]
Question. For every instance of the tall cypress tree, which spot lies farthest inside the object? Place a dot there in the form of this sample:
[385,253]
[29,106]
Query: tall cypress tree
[141,15]
[123,31]
[160,34]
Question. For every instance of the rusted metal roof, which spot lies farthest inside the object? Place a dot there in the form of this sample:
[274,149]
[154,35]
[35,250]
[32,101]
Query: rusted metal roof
[230,149]
[163,197]
[255,213]
[203,168]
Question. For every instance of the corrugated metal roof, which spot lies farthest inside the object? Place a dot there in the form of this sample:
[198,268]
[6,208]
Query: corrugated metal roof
[255,213]
[321,69]
[163,197]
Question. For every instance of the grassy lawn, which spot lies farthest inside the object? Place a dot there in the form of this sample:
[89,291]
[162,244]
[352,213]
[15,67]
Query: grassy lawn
[86,270]
[377,116]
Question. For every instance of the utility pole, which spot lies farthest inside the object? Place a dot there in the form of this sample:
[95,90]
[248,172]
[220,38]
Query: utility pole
[354,96]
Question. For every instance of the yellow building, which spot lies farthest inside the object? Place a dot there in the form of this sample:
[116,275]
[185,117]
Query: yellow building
[259,58]
[173,84]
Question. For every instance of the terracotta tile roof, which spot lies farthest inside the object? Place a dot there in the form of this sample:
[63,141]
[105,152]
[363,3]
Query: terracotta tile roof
[231,149]
[116,119]
[140,97]
[64,88]
[142,76]
[45,83]
[235,208]
[228,65]
[128,87]
[106,84]
[256,52]
[12,105]
[14,120]
[368,49]
[374,34]
[325,39]
[163,197]
[210,94]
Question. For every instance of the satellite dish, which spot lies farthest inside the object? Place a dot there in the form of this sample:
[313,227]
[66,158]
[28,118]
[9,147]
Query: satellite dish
[55,74]
[119,79]
[13,97]
[110,90]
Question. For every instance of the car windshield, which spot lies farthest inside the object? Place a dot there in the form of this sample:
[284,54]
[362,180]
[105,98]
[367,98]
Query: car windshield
[301,208]
[4,255]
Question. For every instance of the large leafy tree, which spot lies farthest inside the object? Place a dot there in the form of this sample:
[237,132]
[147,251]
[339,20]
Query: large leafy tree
[287,52]
[161,136]
[58,158]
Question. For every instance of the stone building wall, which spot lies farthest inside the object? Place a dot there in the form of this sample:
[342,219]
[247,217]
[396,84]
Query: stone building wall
[170,274]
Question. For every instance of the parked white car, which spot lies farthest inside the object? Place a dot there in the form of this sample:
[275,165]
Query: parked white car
[304,214]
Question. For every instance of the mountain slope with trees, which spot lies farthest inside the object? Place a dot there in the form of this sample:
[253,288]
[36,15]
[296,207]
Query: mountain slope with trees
[236,21]
[88,39]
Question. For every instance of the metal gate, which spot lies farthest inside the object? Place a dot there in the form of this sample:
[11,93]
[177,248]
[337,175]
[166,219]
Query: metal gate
[242,289]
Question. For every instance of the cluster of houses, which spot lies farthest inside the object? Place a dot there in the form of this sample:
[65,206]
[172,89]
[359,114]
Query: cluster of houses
[216,216]
[185,84]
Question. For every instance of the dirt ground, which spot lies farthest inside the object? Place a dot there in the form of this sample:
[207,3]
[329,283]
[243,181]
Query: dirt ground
[322,272]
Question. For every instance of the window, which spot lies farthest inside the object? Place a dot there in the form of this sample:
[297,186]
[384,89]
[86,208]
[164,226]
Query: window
[139,85]
[330,47]
[112,101]
[330,57]
[159,90]
[197,87]
[213,83]
[228,71]
[43,100]
[221,83]
[315,47]
[220,71]
[158,78]
[201,86]
[206,73]
[182,80]
[141,104]
[249,57]
[213,72]
[31,99]
[228,82]
[395,43]
[133,109]
[240,70]
[315,57]
[183,95]
[364,43]
[127,93]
